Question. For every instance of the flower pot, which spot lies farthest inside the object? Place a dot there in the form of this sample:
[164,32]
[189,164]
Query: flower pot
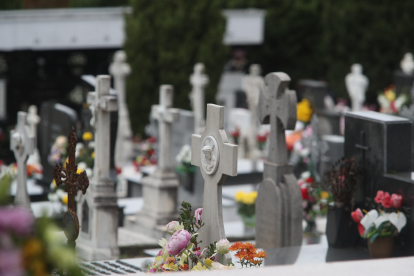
[341,230]
[187,181]
[382,247]
[249,224]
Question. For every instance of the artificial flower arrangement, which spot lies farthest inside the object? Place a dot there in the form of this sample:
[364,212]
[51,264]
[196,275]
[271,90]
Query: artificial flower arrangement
[59,151]
[261,139]
[389,102]
[184,158]
[304,111]
[147,156]
[246,207]
[235,135]
[182,252]
[386,222]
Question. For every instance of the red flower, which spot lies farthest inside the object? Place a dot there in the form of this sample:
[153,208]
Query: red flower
[309,180]
[396,201]
[386,200]
[118,170]
[261,138]
[361,229]
[304,191]
[150,152]
[378,198]
[152,140]
[235,133]
[357,215]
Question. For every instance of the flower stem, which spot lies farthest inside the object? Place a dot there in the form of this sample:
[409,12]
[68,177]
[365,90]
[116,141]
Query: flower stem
[199,259]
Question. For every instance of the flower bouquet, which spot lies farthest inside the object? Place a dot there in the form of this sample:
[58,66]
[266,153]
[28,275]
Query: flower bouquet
[147,156]
[389,102]
[235,135]
[182,252]
[380,226]
[246,203]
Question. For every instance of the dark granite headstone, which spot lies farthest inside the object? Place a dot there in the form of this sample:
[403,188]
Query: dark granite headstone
[402,82]
[382,144]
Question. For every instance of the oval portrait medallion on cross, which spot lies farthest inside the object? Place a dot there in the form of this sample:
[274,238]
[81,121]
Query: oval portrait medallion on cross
[210,155]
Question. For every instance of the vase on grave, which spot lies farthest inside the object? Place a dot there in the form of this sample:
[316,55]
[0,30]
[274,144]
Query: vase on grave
[249,223]
[382,247]
[246,208]
[341,231]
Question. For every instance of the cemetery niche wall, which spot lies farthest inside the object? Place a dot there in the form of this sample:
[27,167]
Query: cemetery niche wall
[382,145]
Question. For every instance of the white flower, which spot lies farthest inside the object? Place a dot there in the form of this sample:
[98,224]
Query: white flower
[79,147]
[82,166]
[304,152]
[381,219]
[219,266]
[305,175]
[297,147]
[61,193]
[173,227]
[369,219]
[89,172]
[399,220]
[223,246]
[162,242]
[53,197]
[184,156]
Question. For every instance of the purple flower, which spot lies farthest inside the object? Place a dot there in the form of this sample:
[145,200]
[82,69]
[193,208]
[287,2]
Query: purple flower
[197,214]
[10,263]
[152,270]
[178,242]
[197,253]
[159,253]
[17,220]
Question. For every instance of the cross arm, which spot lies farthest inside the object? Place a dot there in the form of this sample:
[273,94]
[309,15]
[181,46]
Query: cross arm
[229,159]
[107,103]
[195,150]
[168,115]
[82,182]
[59,175]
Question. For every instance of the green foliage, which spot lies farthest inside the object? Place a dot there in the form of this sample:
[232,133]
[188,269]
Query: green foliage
[164,40]
[97,3]
[188,220]
[6,180]
[211,249]
[10,4]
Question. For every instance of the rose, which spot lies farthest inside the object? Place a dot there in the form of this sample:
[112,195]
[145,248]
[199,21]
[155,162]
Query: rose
[198,214]
[178,242]
[386,200]
[223,246]
[396,201]
[173,227]
[304,191]
[357,215]
[378,198]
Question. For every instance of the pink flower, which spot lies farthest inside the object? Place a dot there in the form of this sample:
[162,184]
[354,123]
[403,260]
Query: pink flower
[396,201]
[198,214]
[11,263]
[197,253]
[386,200]
[357,215]
[378,198]
[159,253]
[17,220]
[152,270]
[178,242]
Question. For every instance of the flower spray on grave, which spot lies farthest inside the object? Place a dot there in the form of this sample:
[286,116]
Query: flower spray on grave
[246,208]
[235,135]
[28,246]
[147,156]
[389,102]
[182,251]
[185,170]
[342,179]
[381,224]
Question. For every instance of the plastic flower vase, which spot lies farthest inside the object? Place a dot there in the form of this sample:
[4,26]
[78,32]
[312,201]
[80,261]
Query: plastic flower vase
[249,224]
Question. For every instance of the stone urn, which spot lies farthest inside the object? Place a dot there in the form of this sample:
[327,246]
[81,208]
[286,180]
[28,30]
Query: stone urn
[382,247]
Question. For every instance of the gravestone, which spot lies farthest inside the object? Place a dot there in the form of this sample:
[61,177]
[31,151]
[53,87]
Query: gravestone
[252,84]
[382,144]
[333,150]
[33,120]
[198,81]
[279,201]
[57,119]
[123,147]
[160,188]
[22,144]
[357,85]
[98,209]
[216,158]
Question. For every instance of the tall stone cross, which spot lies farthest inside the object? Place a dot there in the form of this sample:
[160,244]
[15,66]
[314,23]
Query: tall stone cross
[123,146]
[33,120]
[252,84]
[279,201]
[22,143]
[198,81]
[73,182]
[102,104]
[216,158]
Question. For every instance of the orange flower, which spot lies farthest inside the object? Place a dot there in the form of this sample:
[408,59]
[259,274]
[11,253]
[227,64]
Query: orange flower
[170,260]
[185,267]
[236,246]
[261,254]
[256,262]
[250,247]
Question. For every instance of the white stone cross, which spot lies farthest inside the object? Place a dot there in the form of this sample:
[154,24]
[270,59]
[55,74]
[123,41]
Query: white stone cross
[22,144]
[102,104]
[33,120]
[198,81]
[165,116]
[252,84]
[123,146]
[216,158]
[279,201]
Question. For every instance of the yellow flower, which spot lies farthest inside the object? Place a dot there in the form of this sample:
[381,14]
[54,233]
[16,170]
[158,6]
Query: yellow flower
[79,171]
[239,196]
[93,155]
[87,136]
[390,95]
[33,247]
[208,262]
[324,194]
[170,266]
[65,200]
[54,183]
[199,266]
[304,111]
[66,161]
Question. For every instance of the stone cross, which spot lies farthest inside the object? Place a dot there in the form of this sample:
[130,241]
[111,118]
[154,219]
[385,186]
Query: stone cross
[279,201]
[198,80]
[165,116]
[33,120]
[73,182]
[22,143]
[252,84]
[216,158]
[102,104]
[123,146]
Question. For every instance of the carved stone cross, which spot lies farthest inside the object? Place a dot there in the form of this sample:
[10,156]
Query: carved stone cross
[22,143]
[33,120]
[279,201]
[216,158]
[73,182]
[198,80]
[102,104]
